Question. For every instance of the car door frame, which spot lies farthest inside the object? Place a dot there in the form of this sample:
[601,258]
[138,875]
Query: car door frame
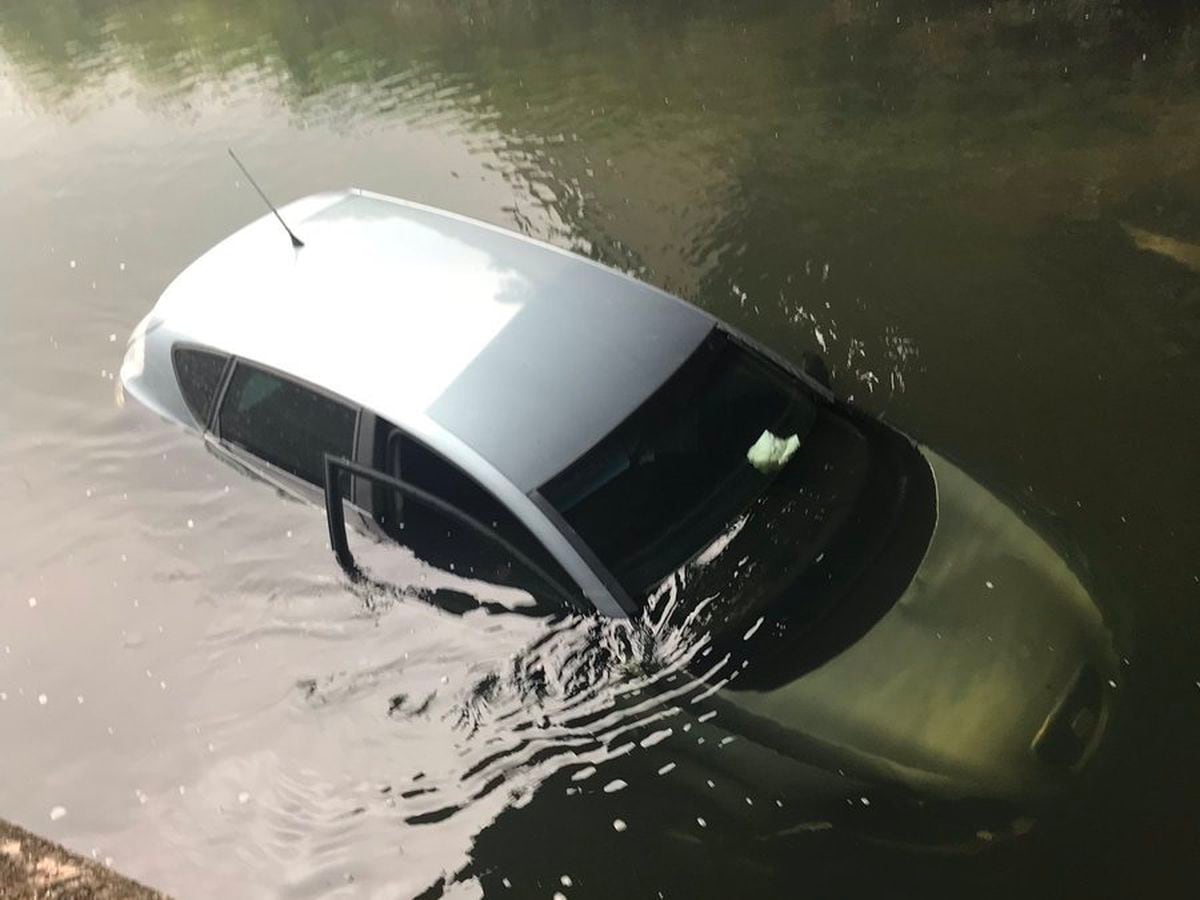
[536,521]
[335,519]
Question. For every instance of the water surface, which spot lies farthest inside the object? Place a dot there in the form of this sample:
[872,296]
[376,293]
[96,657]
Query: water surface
[986,216]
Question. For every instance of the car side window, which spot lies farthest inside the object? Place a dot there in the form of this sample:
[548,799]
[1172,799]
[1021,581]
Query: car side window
[438,541]
[285,423]
[199,373]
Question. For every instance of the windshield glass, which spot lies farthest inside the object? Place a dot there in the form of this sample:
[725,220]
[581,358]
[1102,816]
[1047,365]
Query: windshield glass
[656,490]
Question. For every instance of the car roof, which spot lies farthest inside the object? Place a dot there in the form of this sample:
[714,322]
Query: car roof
[526,353]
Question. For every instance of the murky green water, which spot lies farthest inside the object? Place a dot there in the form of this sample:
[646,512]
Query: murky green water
[987,217]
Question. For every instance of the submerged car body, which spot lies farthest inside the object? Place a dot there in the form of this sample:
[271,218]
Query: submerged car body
[445,377]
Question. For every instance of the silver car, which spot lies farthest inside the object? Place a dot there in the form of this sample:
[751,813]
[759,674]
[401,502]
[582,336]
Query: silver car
[527,418]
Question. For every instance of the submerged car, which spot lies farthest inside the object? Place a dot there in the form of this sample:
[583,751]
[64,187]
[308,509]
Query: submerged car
[528,418]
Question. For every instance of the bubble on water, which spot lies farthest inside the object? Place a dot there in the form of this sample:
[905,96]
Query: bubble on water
[619,825]
[559,895]
[1112,683]
[3,696]
[72,264]
[121,266]
[141,796]
[244,797]
[57,813]
[709,782]
[865,801]
[566,881]
[667,768]
[43,699]
[182,790]
[749,802]
[615,785]
[711,714]
[32,602]
[506,882]
[656,738]
[112,337]
[79,699]
[191,523]
[989,585]
[162,685]
[289,532]
[700,821]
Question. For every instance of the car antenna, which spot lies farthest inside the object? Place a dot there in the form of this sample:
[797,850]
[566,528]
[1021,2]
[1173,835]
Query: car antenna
[296,242]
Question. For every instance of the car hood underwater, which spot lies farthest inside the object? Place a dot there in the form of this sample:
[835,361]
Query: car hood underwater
[991,678]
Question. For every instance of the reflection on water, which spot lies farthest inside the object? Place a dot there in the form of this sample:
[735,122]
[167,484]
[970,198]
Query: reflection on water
[985,217]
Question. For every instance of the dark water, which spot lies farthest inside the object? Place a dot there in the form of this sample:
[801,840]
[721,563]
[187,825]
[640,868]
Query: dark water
[987,216]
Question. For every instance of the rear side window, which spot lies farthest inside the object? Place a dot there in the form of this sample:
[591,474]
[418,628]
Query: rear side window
[285,423]
[199,373]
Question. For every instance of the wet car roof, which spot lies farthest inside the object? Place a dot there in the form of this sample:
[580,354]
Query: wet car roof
[526,353]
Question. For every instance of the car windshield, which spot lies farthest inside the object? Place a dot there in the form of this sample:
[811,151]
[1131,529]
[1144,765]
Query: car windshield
[689,460]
